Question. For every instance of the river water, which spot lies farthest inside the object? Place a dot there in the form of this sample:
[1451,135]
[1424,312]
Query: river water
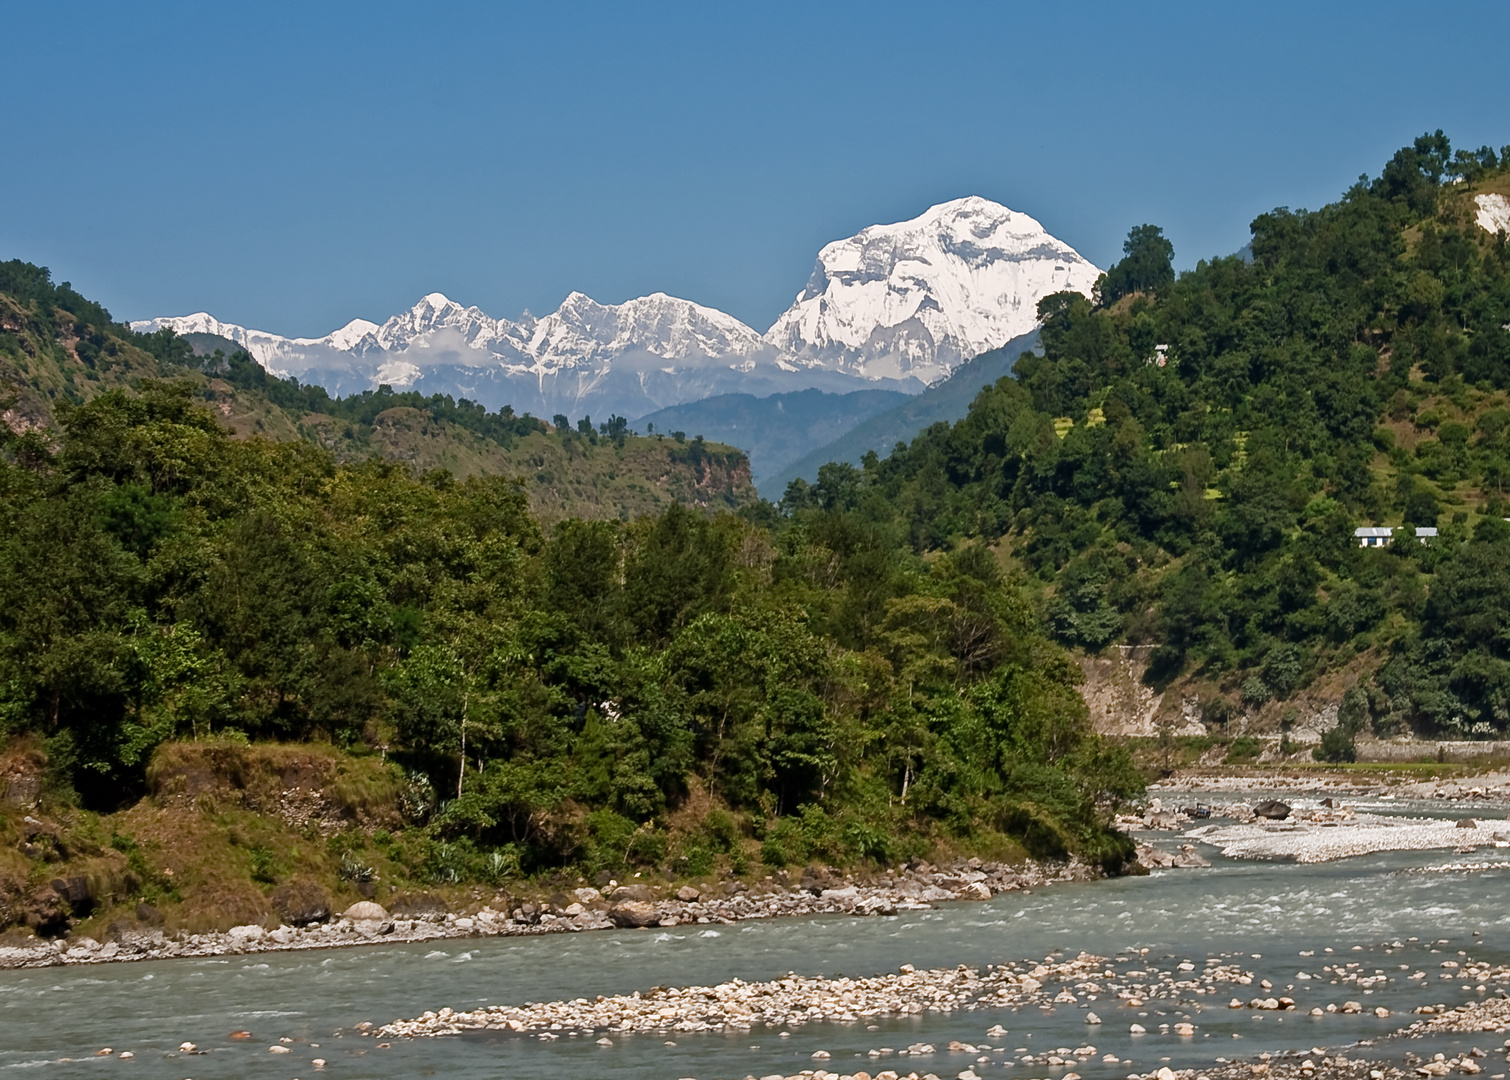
[1366,909]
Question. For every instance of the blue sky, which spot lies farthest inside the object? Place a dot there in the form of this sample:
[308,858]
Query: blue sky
[293,166]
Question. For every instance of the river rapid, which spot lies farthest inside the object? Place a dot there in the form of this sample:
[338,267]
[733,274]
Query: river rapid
[1389,913]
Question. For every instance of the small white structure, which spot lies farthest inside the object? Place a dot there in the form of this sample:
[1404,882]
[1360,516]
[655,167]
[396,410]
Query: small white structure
[1378,536]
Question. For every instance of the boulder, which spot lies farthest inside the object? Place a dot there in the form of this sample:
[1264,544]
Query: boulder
[687,894]
[631,892]
[633,914]
[76,893]
[301,902]
[148,914]
[1272,809]
[46,912]
[1467,823]
[365,911]
[588,895]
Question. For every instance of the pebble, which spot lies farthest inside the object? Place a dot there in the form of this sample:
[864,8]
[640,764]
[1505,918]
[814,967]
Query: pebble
[785,1003]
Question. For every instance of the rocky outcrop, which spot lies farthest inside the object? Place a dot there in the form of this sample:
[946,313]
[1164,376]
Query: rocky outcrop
[301,902]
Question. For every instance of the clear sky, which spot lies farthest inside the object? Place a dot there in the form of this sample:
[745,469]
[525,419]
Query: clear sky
[293,166]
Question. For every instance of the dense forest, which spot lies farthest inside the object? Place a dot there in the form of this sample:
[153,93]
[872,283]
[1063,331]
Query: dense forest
[883,663]
[1186,461]
[549,695]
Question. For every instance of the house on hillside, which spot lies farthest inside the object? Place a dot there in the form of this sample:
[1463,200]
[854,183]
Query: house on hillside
[1380,535]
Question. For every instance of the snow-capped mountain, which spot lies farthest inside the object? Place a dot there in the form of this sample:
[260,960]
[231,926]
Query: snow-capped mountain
[896,307]
[269,350]
[920,297]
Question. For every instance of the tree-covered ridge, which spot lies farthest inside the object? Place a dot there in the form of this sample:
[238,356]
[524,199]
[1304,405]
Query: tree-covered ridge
[57,346]
[554,694]
[1187,460]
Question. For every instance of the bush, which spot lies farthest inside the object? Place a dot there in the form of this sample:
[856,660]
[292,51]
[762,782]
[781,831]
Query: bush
[1244,748]
[1337,745]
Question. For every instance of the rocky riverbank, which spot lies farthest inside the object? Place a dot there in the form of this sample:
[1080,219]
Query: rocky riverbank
[627,906]
[1491,786]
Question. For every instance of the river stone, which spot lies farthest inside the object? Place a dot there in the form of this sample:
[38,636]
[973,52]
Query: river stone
[1272,809]
[687,894]
[588,895]
[631,892]
[365,911]
[633,913]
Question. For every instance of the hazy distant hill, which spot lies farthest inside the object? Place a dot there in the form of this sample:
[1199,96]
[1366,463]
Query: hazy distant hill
[776,430]
[945,401]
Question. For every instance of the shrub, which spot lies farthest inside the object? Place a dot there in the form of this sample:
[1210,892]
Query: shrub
[1244,748]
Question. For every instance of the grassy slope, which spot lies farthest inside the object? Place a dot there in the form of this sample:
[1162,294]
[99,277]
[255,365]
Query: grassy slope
[946,401]
[223,824]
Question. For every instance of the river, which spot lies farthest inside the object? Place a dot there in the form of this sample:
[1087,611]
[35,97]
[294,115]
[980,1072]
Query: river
[1366,909]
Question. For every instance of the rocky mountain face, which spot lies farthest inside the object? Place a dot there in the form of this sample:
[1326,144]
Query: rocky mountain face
[895,307]
[919,298]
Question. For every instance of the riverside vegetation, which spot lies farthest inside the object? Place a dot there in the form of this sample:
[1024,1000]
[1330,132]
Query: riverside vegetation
[878,669]
[233,665]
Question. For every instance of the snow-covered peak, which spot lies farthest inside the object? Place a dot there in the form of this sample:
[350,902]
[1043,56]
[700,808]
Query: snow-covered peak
[664,325]
[919,297]
[352,334]
[908,301]
[438,312]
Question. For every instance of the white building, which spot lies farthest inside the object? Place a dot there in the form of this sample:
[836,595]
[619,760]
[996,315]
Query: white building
[1380,535]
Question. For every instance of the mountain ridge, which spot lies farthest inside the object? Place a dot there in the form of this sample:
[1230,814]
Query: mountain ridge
[894,307]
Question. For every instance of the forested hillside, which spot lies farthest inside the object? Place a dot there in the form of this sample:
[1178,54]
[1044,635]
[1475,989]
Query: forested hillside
[676,691]
[1185,462]
[56,347]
